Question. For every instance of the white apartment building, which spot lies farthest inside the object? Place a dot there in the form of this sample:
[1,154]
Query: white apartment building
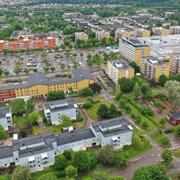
[175,63]
[174,30]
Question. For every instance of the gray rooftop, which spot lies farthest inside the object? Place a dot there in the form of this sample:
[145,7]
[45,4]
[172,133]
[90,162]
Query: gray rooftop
[75,136]
[153,60]
[134,42]
[6,151]
[4,111]
[120,64]
[40,78]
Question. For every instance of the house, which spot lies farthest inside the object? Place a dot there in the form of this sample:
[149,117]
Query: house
[174,118]
[55,110]
[6,117]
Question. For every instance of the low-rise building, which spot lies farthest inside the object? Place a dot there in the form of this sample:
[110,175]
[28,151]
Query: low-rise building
[54,111]
[159,31]
[39,85]
[6,117]
[133,50]
[152,68]
[81,36]
[142,33]
[100,35]
[118,69]
[175,63]
[174,118]
[38,152]
[174,29]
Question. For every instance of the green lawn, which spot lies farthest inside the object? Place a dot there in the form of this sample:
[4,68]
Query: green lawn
[35,130]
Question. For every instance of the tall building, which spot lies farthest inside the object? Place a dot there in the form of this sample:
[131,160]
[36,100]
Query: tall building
[82,36]
[39,85]
[123,33]
[174,29]
[100,35]
[55,110]
[159,31]
[175,63]
[152,68]
[38,152]
[142,33]
[119,69]
[24,44]
[6,117]
[133,50]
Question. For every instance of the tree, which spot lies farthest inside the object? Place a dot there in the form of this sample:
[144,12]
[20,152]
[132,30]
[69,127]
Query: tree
[173,91]
[162,80]
[121,159]
[126,85]
[166,155]
[137,91]
[21,173]
[103,111]
[95,87]
[33,117]
[86,92]
[107,155]
[55,95]
[177,131]
[70,171]
[154,172]
[60,163]
[3,133]
[113,111]
[18,107]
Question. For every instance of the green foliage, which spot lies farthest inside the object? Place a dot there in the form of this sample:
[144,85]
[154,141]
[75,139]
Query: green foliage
[153,172]
[86,92]
[87,105]
[60,163]
[3,133]
[33,118]
[166,156]
[21,173]
[162,80]
[70,171]
[126,85]
[55,95]
[18,107]
[177,131]
[135,66]
[96,88]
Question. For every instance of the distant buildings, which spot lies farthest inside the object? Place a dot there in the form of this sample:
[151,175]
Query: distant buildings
[123,33]
[159,31]
[39,85]
[141,33]
[174,29]
[55,110]
[24,44]
[133,50]
[152,68]
[118,69]
[6,117]
[175,63]
[39,152]
[174,118]
[100,35]
[82,36]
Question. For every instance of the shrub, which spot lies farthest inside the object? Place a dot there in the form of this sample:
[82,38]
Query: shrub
[87,105]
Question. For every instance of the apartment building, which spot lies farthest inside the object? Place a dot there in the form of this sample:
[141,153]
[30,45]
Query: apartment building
[39,85]
[6,117]
[24,44]
[39,152]
[174,29]
[100,35]
[159,31]
[133,50]
[142,33]
[152,68]
[175,63]
[55,110]
[81,36]
[123,33]
[118,69]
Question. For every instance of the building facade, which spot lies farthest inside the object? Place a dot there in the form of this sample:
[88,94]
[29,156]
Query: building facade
[55,110]
[174,29]
[39,152]
[39,85]
[100,35]
[122,33]
[6,117]
[24,44]
[174,118]
[152,68]
[159,31]
[118,69]
[175,63]
[133,50]
[81,36]
[142,33]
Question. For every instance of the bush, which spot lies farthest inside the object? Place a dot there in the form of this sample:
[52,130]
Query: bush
[86,92]
[164,141]
[87,105]
[169,130]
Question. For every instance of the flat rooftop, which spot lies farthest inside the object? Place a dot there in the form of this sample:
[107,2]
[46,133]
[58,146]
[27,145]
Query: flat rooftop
[120,64]
[134,42]
[153,60]
[4,111]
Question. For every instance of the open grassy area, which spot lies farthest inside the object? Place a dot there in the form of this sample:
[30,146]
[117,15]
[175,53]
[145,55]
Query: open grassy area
[176,153]
[36,130]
